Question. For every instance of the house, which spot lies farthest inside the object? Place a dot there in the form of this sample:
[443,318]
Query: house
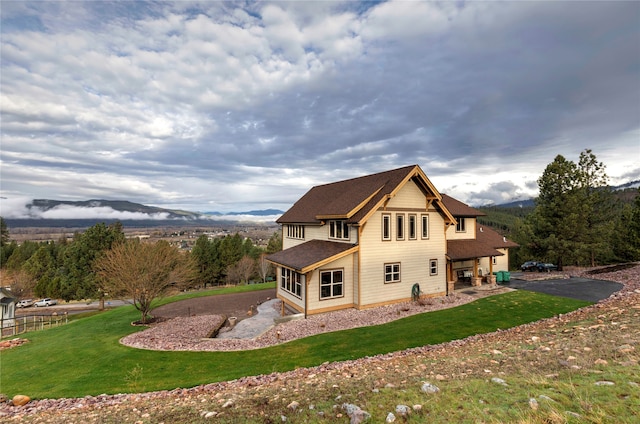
[375,240]
[8,308]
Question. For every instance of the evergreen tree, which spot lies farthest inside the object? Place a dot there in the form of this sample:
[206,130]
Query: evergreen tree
[4,233]
[275,243]
[78,281]
[572,218]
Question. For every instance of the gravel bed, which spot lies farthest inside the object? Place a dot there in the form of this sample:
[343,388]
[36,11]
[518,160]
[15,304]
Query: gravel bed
[188,333]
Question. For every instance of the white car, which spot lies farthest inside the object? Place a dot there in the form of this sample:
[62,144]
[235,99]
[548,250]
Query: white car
[45,302]
[24,303]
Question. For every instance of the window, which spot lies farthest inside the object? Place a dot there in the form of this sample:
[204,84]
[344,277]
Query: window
[295,231]
[290,282]
[331,284]
[494,259]
[425,226]
[413,227]
[433,267]
[400,226]
[392,273]
[460,227]
[386,227]
[339,230]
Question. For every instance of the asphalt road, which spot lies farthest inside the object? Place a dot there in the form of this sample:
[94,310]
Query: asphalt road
[574,287]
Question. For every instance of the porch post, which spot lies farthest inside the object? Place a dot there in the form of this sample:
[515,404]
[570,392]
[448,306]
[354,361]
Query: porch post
[477,281]
[491,279]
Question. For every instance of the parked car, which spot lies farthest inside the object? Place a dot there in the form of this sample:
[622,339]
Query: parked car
[542,267]
[24,303]
[45,302]
[529,266]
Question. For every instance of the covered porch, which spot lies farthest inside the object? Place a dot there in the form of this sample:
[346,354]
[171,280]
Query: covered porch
[463,264]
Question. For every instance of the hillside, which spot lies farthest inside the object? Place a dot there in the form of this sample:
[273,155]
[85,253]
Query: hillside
[578,367]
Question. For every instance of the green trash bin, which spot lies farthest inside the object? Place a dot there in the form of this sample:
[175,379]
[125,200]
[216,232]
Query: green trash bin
[506,276]
[499,277]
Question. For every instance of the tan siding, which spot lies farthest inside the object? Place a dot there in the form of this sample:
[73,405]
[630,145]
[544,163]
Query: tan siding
[413,255]
[346,264]
[502,262]
[470,233]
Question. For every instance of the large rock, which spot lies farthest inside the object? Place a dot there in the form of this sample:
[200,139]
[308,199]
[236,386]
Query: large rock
[20,400]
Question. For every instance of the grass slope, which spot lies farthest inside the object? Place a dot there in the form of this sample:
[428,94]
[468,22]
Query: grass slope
[85,358]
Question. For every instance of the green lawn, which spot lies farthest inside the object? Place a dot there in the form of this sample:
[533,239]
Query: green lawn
[85,358]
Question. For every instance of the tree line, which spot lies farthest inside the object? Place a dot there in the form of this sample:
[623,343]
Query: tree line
[70,270]
[577,220]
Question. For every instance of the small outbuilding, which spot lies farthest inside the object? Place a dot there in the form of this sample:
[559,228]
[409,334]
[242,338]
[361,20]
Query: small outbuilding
[8,305]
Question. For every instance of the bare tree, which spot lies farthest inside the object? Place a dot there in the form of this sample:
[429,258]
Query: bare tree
[246,267]
[144,272]
[241,271]
[21,283]
[264,267]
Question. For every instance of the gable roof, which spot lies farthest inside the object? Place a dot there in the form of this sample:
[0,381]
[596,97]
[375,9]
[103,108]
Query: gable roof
[357,198]
[311,254]
[457,208]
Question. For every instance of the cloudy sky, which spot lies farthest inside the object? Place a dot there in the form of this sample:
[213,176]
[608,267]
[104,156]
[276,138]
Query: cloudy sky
[212,106]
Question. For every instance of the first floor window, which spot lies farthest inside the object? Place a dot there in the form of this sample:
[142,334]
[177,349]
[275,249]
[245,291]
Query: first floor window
[433,267]
[290,281]
[331,284]
[392,273]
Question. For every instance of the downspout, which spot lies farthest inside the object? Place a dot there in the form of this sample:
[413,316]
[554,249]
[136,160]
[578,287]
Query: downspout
[306,292]
[359,268]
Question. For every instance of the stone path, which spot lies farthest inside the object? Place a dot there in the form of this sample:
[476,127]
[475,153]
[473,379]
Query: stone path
[256,325]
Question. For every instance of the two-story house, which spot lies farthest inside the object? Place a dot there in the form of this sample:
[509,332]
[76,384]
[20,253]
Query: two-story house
[369,241]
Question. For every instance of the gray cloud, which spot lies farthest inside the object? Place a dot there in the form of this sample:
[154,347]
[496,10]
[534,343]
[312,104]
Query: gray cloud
[229,105]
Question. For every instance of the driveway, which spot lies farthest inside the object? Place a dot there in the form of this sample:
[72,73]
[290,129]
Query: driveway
[574,287]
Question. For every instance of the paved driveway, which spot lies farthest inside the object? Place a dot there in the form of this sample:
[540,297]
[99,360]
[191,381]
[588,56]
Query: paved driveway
[574,287]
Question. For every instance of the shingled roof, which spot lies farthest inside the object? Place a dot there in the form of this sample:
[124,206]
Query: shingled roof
[485,244]
[311,254]
[491,238]
[355,199]
[462,250]
[457,208]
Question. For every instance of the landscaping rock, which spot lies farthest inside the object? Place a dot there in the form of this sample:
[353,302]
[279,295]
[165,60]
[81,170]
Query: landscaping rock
[429,388]
[402,410]
[390,418]
[20,400]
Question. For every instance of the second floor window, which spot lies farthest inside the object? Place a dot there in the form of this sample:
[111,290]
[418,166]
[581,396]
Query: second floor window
[460,226]
[400,226]
[386,227]
[425,226]
[295,231]
[413,224]
[338,230]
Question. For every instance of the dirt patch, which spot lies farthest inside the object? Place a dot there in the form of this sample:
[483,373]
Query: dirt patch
[229,305]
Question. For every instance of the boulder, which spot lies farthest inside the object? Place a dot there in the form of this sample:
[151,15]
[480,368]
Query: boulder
[20,400]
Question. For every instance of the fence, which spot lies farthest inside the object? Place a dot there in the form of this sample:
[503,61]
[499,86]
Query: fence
[26,323]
